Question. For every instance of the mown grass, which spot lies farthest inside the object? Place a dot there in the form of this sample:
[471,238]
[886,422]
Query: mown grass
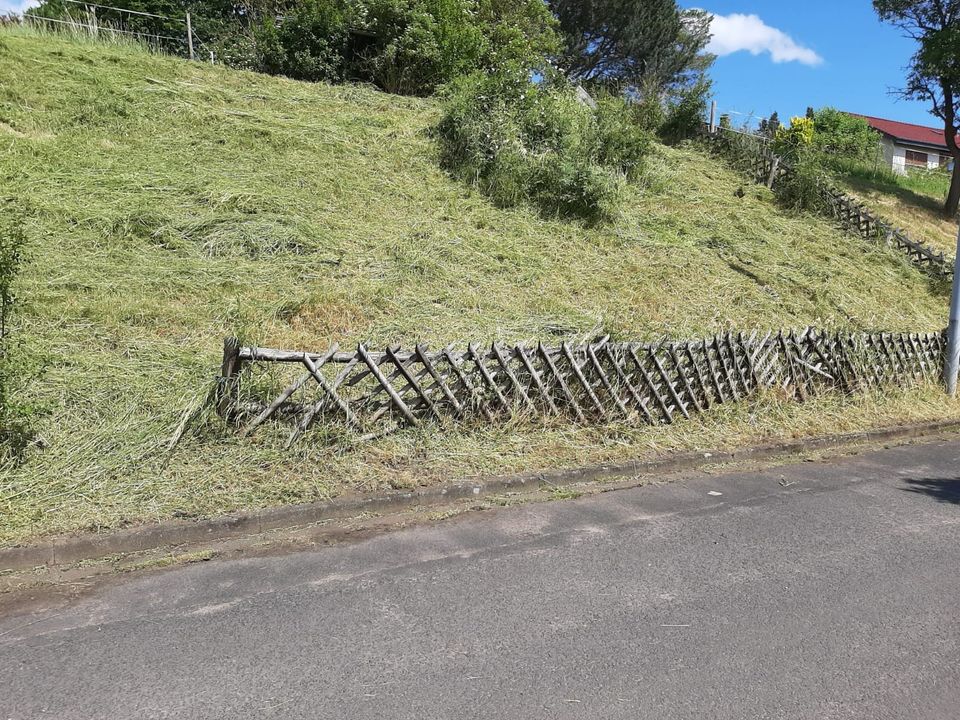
[170,204]
[913,202]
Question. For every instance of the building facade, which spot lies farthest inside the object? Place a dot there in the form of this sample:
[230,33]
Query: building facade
[906,146]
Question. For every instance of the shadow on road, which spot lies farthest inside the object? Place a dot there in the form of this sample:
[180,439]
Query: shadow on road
[945,490]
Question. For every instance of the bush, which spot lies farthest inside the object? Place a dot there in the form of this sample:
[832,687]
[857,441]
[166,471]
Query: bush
[790,142]
[310,44]
[15,415]
[520,141]
[844,136]
[802,188]
[686,108]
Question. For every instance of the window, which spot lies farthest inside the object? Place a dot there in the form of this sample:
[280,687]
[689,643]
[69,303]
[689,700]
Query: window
[916,159]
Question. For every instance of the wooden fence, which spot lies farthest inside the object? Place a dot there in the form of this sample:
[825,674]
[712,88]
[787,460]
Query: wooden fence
[372,393]
[755,155]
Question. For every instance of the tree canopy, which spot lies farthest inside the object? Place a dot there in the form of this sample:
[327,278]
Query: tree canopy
[934,72]
[625,43]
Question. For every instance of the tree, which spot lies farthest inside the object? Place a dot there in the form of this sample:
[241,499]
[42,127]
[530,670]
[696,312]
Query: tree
[624,44]
[811,113]
[934,71]
[773,124]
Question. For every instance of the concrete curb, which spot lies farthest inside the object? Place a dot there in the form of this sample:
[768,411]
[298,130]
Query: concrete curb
[75,548]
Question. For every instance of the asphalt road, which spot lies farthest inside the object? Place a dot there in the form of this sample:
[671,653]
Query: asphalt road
[810,591]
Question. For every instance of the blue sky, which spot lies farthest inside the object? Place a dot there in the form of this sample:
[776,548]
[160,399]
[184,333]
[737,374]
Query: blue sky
[811,52]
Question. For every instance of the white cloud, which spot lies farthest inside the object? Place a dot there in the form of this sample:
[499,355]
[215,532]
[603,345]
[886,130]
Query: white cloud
[16,6]
[736,32]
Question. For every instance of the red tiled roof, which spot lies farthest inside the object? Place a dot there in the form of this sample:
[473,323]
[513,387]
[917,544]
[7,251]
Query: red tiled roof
[907,132]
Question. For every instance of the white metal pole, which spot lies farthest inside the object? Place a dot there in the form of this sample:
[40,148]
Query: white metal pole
[953,329]
[189,36]
[713,117]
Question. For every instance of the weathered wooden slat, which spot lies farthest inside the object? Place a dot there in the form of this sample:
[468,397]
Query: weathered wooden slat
[583,380]
[637,399]
[479,362]
[512,377]
[651,386]
[678,403]
[567,395]
[605,382]
[688,389]
[397,400]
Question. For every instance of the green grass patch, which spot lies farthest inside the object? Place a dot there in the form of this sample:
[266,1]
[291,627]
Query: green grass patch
[168,204]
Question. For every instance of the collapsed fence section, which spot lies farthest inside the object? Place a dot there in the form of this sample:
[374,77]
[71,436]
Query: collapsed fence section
[754,155]
[372,393]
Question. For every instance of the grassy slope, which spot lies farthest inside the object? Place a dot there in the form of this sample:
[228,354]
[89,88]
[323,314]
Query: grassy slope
[170,204]
[913,203]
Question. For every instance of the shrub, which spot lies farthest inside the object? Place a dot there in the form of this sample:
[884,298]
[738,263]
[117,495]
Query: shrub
[520,141]
[622,143]
[801,189]
[790,141]
[842,135]
[310,44]
[686,108]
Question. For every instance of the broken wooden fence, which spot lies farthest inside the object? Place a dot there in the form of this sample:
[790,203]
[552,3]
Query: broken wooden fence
[375,392]
[755,155]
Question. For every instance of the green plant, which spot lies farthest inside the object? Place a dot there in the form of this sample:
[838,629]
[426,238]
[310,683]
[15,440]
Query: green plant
[310,44]
[686,108]
[518,140]
[841,135]
[802,188]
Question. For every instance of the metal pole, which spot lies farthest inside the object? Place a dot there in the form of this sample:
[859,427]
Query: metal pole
[953,329]
[211,57]
[713,117]
[189,36]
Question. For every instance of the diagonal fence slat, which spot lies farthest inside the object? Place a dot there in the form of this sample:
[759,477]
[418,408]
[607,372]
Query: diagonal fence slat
[375,392]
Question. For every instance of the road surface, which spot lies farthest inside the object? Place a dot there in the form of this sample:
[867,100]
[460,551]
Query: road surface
[817,590]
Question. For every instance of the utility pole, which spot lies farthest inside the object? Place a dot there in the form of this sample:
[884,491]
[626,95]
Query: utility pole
[189,36]
[713,117]
[953,329]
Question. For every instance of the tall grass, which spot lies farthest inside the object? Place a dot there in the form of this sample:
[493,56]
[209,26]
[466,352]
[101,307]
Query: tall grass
[173,203]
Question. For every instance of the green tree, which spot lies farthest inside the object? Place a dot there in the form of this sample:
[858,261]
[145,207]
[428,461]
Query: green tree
[934,72]
[843,135]
[627,44]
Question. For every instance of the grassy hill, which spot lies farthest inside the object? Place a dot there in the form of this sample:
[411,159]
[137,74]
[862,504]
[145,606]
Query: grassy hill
[169,204]
[914,203]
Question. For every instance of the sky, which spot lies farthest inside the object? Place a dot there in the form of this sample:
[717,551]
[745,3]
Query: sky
[786,56]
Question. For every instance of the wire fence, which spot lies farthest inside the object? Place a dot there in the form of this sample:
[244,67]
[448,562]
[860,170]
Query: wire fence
[92,24]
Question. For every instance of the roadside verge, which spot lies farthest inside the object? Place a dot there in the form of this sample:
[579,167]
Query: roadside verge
[72,549]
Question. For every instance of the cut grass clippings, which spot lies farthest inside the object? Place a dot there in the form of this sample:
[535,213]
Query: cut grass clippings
[170,204]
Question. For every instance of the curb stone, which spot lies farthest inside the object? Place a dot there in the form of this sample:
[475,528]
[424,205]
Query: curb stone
[72,549]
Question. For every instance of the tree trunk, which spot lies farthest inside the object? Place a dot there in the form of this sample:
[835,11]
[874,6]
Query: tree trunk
[953,197]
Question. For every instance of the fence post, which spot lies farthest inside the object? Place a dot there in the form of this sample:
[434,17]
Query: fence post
[713,117]
[226,385]
[211,58]
[189,36]
[94,29]
[774,164]
[953,329]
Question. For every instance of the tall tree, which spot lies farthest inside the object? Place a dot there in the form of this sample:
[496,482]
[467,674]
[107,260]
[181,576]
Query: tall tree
[631,43]
[934,71]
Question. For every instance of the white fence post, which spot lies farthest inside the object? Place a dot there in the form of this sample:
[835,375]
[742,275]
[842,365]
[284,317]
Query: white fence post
[189,36]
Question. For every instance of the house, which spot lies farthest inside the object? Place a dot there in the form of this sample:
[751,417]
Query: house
[906,146]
